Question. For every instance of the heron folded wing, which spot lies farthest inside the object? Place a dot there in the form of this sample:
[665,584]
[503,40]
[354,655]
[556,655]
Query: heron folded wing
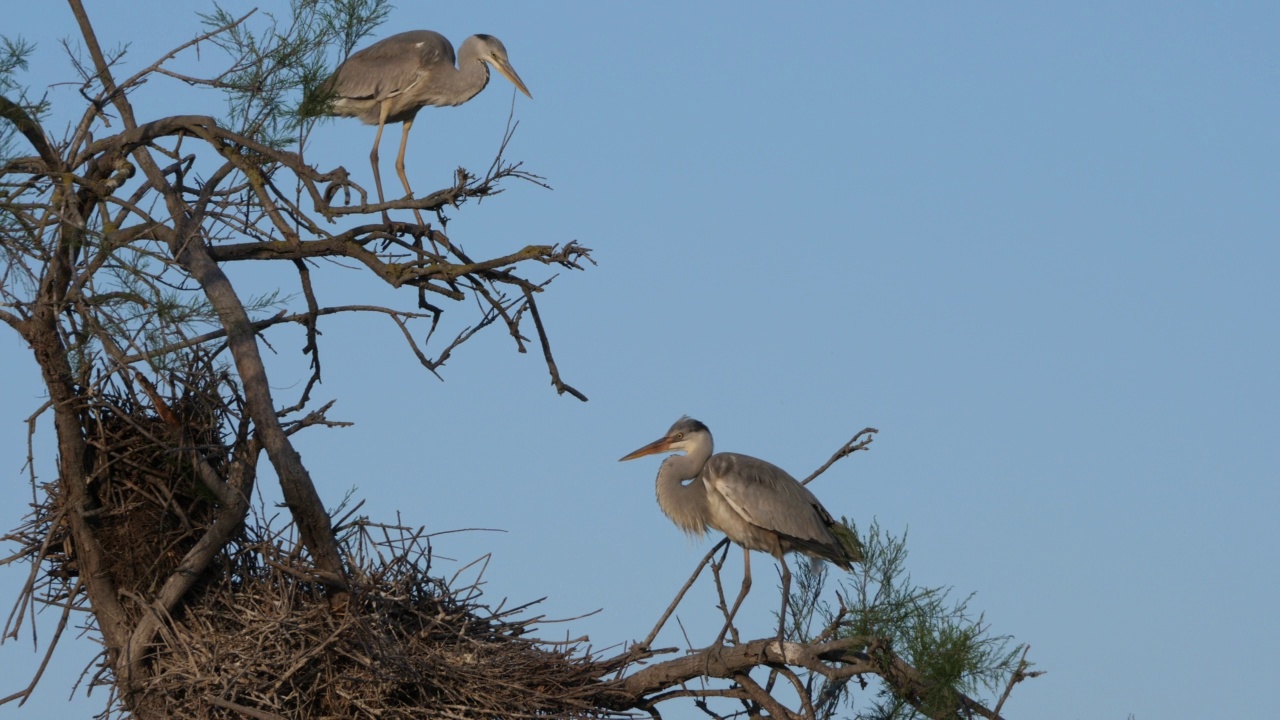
[391,66]
[767,496]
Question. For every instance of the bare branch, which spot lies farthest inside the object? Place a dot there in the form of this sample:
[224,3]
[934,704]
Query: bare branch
[644,645]
[849,448]
[1018,675]
[560,386]
[157,66]
[31,130]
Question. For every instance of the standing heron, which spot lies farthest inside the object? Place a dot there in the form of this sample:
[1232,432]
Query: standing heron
[392,79]
[754,503]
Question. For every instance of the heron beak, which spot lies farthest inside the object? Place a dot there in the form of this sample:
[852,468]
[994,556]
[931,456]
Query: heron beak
[657,446]
[504,67]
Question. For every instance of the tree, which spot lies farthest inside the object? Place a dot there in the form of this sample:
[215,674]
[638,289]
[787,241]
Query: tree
[115,243]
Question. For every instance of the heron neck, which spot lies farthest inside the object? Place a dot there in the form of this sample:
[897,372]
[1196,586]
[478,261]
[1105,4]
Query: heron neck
[685,504]
[472,75]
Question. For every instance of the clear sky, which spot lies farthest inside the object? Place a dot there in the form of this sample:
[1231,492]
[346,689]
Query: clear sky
[1036,246]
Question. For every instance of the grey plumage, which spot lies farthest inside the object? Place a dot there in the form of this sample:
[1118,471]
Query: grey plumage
[754,503]
[782,515]
[391,80]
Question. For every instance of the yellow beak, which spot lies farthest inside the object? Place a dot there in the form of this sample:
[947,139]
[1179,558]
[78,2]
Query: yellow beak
[504,67]
[657,446]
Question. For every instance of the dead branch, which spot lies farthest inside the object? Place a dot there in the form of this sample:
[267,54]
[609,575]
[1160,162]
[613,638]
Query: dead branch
[843,658]
[856,443]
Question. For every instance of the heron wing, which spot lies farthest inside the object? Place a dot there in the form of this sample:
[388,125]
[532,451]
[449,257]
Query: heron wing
[391,66]
[768,497]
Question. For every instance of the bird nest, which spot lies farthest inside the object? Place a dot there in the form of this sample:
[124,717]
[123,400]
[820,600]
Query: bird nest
[258,635]
[264,642]
[145,503]
[151,506]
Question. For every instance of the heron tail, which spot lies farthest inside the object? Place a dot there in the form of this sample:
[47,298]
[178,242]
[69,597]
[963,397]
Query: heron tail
[849,542]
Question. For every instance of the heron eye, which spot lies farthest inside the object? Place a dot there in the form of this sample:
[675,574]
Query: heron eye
[679,436]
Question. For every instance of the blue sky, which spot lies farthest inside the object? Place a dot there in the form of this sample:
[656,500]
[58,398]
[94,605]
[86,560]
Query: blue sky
[1035,246]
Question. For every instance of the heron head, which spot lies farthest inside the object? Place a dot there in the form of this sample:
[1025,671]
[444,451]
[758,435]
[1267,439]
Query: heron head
[684,435]
[495,53]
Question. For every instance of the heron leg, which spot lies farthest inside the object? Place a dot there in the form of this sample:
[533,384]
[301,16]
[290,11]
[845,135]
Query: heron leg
[786,599]
[373,156]
[746,585]
[404,179]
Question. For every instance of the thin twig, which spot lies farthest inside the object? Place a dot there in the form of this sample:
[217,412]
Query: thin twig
[846,450]
[653,634]
[560,386]
[1019,674]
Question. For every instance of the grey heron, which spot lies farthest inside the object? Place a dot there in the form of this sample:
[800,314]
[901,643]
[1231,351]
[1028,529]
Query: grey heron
[756,504]
[392,79]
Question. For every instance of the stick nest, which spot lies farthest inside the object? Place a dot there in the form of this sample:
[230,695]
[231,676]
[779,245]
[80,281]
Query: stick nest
[264,642]
[258,635]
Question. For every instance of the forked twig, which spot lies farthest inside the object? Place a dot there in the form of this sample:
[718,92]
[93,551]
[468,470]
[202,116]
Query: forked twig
[644,644]
[846,450]
[1019,674]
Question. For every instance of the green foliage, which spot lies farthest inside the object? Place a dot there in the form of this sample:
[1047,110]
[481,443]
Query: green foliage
[274,84]
[353,20]
[14,53]
[952,648]
[15,227]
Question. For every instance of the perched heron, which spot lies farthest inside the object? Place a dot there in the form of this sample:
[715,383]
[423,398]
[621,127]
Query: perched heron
[753,502]
[392,79]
